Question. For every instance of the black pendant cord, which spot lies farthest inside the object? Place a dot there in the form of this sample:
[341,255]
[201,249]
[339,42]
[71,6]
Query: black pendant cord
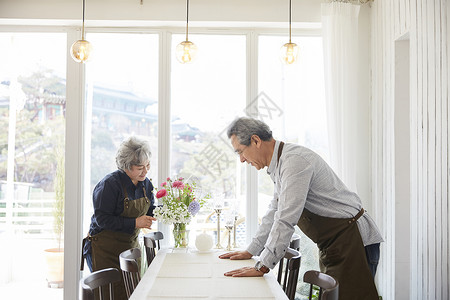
[187,19]
[82,30]
[290,5]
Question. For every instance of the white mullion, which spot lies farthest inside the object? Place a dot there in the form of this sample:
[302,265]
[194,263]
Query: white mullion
[73,235]
[431,144]
[424,181]
[422,204]
[164,101]
[390,149]
[438,148]
[445,66]
[414,211]
[251,173]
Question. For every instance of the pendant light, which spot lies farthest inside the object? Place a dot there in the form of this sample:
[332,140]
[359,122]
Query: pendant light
[186,50]
[81,49]
[289,51]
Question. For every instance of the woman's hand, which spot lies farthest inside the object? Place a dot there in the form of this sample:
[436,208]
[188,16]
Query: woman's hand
[245,272]
[144,222]
[237,255]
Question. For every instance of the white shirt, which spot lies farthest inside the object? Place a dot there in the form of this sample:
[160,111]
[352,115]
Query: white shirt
[302,179]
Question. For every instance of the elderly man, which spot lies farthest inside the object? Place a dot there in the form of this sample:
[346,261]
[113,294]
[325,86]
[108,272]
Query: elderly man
[308,194]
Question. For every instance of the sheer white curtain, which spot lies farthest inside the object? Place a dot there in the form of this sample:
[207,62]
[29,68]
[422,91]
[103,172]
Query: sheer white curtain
[340,38]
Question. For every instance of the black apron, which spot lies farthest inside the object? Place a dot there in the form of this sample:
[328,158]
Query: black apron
[342,253]
[107,244]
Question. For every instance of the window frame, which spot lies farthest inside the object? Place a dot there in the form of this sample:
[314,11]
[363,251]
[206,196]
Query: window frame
[77,188]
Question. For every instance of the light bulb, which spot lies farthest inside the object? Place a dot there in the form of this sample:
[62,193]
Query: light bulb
[81,50]
[186,52]
[289,53]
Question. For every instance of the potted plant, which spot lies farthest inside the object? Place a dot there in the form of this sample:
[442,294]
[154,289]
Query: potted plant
[55,256]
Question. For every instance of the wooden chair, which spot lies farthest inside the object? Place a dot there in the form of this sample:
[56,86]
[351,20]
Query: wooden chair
[294,244]
[291,272]
[150,249]
[100,280]
[328,286]
[156,236]
[130,269]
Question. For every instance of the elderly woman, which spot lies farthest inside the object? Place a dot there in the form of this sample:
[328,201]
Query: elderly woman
[123,204]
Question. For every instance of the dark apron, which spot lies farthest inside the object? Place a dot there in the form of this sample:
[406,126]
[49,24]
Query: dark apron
[342,253]
[107,245]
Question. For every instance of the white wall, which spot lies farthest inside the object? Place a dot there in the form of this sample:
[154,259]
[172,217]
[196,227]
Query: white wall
[427,23]
[163,10]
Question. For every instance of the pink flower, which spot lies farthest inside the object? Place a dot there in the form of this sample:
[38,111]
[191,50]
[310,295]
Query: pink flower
[180,179]
[161,193]
[164,183]
[178,184]
[168,178]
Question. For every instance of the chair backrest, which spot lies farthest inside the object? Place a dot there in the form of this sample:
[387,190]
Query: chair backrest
[328,286]
[156,236]
[130,269]
[294,244]
[103,281]
[288,279]
[150,249]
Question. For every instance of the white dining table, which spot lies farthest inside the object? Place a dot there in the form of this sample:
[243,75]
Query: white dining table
[190,274]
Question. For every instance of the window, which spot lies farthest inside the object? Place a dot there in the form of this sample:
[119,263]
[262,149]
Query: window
[32,118]
[293,105]
[122,86]
[206,96]
[122,100]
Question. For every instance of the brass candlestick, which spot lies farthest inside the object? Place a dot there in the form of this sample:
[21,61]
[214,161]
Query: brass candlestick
[234,232]
[229,224]
[229,227]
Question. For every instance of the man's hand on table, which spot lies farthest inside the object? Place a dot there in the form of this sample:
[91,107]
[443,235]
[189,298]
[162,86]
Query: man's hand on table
[242,272]
[237,255]
[245,272]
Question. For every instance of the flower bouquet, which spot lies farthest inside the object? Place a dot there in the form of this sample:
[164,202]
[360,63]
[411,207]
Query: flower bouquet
[177,205]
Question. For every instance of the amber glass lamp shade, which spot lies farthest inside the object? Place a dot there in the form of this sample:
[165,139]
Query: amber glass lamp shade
[186,52]
[81,51]
[289,53]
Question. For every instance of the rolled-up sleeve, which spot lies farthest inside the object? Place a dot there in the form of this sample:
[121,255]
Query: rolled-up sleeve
[258,242]
[293,182]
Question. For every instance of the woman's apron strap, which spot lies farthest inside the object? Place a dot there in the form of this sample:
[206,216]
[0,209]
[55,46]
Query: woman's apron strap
[82,254]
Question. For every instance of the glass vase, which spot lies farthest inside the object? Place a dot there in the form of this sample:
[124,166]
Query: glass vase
[180,235]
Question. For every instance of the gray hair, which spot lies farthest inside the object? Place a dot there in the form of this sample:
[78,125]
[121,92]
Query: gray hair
[243,128]
[132,151]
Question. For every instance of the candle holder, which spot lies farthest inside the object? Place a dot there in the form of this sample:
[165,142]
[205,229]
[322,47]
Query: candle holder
[234,231]
[218,210]
[235,215]
[229,224]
